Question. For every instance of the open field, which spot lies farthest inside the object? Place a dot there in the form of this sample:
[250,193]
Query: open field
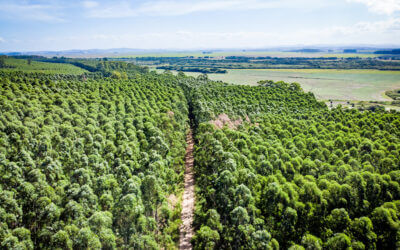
[361,85]
[42,67]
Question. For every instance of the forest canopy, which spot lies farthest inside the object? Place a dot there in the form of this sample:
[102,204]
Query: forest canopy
[92,157]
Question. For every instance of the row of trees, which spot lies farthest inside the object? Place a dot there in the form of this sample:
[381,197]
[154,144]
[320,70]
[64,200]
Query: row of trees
[195,69]
[293,174]
[90,164]
[102,67]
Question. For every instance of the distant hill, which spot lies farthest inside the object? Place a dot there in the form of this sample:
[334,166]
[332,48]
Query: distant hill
[307,50]
[84,53]
[117,52]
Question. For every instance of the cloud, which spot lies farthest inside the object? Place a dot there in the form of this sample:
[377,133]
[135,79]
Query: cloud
[30,11]
[171,40]
[90,4]
[187,7]
[380,32]
[373,28]
[2,40]
[381,6]
[121,9]
[115,10]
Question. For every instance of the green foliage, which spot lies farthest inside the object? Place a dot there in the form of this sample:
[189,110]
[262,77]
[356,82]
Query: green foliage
[277,161]
[217,64]
[206,238]
[2,61]
[195,69]
[30,66]
[395,95]
[89,161]
[89,164]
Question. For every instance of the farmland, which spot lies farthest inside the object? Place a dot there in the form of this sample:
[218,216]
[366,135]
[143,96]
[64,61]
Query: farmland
[329,76]
[361,85]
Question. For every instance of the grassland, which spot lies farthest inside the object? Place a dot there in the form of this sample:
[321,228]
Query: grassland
[354,85]
[41,67]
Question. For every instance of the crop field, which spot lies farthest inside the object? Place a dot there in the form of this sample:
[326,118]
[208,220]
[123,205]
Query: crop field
[41,67]
[361,85]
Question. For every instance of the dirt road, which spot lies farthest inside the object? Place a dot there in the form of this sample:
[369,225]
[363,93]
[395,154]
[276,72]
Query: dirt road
[186,229]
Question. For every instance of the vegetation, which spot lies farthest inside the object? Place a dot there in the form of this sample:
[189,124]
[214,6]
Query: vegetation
[91,161]
[393,51]
[394,94]
[101,66]
[192,69]
[291,173]
[267,62]
[326,84]
[90,164]
[3,61]
[27,65]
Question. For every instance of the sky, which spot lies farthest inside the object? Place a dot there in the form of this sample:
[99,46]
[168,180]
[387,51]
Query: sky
[43,25]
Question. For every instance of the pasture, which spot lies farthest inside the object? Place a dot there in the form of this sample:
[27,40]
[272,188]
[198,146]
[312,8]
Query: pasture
[360,85]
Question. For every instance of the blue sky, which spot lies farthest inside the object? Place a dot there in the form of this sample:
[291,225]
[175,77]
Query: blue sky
[27,25]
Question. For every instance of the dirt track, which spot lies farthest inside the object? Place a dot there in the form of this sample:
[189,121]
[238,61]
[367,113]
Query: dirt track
[186,229]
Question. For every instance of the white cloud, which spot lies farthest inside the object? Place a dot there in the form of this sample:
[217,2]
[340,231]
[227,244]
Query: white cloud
[90,4]
[2,40]
[381,6]
[373,28]
[187,7]
[361,33]
[115,10]
[380,32]
[120,9]
[25,11]
[173,40]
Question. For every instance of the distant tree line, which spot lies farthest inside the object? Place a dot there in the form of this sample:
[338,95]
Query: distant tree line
[191,69]
[394,51]
[248,62]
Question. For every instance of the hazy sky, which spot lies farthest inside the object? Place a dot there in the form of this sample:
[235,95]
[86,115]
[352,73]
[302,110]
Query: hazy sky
[27,25]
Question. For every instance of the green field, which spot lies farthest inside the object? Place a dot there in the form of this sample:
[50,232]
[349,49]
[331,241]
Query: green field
[361,85]
[41,67]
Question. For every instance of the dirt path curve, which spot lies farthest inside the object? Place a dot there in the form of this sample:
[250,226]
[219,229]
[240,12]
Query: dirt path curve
[186,229]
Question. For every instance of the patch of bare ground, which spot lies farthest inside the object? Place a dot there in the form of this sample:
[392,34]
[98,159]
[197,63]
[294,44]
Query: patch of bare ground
[223,120]
[172,201]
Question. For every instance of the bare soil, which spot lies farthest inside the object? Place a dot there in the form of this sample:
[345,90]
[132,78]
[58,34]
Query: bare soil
[223,119]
